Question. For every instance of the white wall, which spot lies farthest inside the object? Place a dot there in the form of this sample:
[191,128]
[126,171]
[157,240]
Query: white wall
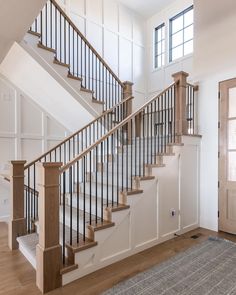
[26,131]
[160,78]
[15,19]
[214,61]
[118,34]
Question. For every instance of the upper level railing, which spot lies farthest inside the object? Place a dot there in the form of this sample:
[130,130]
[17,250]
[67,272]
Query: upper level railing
[68,149]
[58,32]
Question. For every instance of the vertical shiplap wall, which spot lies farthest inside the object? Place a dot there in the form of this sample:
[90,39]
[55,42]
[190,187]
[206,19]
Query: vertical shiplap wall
[26,131]
[118,34]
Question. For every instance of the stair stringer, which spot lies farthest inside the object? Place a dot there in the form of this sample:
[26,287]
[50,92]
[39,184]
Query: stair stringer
[46,59]
[140,227]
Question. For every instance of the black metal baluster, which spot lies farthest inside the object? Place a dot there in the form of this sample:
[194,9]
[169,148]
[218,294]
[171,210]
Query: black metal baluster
[90,188]
[78,205]
[102,169]
[63,218]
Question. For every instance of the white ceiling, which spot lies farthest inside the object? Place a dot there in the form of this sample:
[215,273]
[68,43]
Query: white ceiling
[146,8]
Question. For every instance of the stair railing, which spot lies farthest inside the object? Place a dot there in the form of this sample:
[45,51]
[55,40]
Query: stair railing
[86,189]
[58,32]
[108,170]
[68,149]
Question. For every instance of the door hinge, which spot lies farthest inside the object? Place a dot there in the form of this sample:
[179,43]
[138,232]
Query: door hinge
[218,214]
[218,154]
[218,184]
[218,125]
[219,94]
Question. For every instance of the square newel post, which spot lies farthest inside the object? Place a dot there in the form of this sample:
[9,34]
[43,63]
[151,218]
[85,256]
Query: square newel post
[180,110]
[48,250]
[127,92]
[17,223]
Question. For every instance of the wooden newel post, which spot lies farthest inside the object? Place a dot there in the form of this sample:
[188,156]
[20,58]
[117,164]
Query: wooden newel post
[181,110]
[48,250]
[17,223]
[127,92]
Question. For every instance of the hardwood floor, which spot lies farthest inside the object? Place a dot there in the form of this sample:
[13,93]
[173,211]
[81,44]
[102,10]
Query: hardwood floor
[17,277]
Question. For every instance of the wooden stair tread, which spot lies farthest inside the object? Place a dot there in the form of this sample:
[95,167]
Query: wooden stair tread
[134,192]
[155,165]
[148,177]
[73,77]
[82,244]
[86,90]
[34,33]
[175,144]
[56,61]
[100,225]
[40,45]
[117,207]
[97,101]
[166,154]
[68,268]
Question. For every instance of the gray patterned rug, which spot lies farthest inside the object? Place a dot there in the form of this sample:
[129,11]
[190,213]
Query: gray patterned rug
[208,268]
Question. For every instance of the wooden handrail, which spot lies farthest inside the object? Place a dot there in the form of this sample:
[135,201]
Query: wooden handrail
[86,41]
[77,132]
[113,130]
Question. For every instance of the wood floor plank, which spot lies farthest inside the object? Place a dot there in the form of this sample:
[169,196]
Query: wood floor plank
[17,276]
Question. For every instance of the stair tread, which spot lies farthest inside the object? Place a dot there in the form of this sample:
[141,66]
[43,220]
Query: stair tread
[86,90]
[94,100]
[40,45]
[71,76]
[34,33]
[56,61]
[80,244]
[68,268]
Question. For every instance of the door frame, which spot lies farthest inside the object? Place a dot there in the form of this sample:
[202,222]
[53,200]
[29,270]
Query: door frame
[222,146]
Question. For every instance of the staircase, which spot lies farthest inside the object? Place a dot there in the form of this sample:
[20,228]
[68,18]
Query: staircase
[66,66]
[122,183]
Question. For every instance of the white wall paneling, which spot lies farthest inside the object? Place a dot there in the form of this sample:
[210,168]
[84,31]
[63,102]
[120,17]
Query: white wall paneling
[26,131]
[149,221]
[118,34]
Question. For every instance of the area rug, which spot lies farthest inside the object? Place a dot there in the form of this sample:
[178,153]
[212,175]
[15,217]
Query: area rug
[208,268]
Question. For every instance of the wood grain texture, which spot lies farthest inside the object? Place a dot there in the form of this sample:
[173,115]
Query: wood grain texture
[17,276]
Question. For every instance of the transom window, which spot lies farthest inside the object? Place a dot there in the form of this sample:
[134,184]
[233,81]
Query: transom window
[159,46]
[181,34]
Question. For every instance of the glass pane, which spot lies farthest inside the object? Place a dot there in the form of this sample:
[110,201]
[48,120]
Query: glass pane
[188,18]
[177,39]
[232,134]
[159,36]
[177,52]
[159,48]
[177,24]
[232,102]
[156,62]
[159,61]
[188,47]
[188,33]
[163,46]
[155,49]
[232,166]
[163,32]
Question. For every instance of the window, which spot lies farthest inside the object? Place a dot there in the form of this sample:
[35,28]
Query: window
[159,46]
[181,34]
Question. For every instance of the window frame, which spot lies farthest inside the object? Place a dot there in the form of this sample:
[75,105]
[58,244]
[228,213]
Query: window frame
[162,26]
[182,13]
